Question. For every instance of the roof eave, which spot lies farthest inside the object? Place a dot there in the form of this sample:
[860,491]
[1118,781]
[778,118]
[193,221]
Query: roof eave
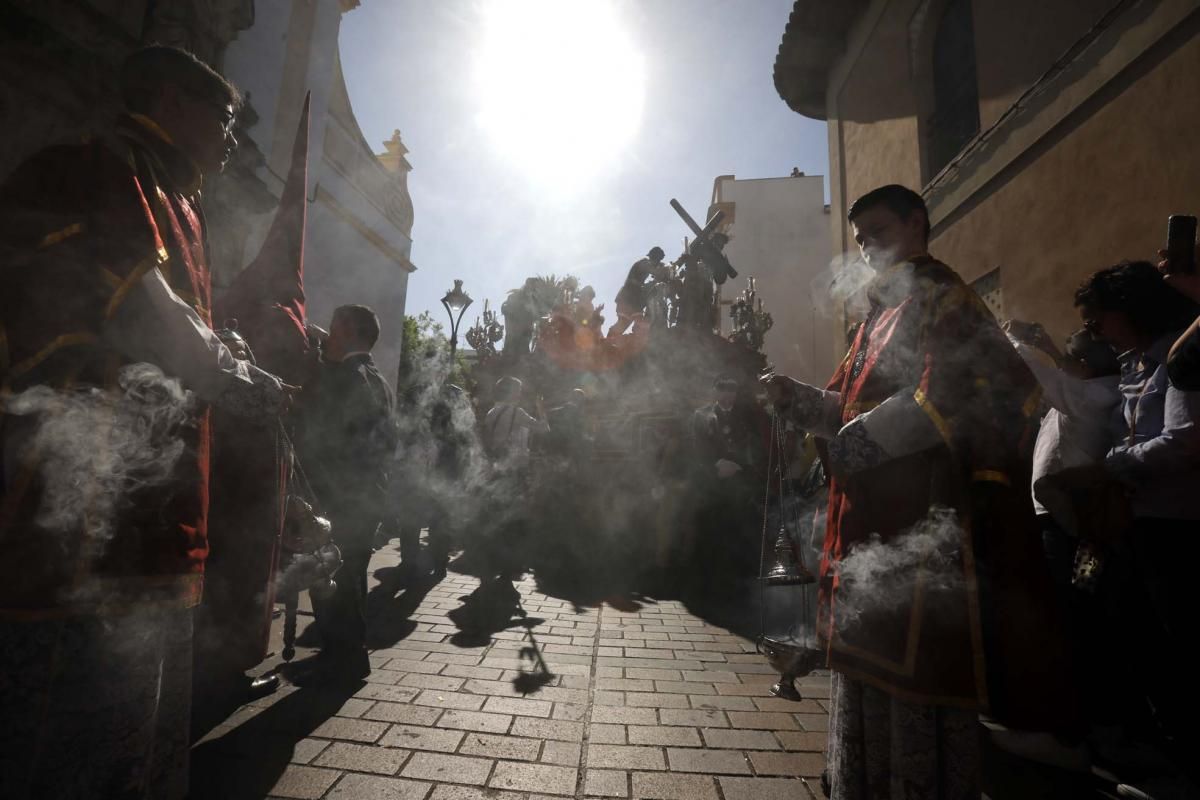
[812,42]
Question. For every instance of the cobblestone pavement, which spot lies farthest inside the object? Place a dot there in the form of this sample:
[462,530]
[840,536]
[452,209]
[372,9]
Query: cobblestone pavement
[643,699]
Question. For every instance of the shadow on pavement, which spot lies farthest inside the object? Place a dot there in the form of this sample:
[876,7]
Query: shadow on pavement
[247,761]
[388,616]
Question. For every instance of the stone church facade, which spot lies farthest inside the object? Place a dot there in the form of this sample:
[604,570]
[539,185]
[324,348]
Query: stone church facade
[60,59]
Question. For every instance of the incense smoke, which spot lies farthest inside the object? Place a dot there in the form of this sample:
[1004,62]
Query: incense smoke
[880,576]
[846,276]
[94,448]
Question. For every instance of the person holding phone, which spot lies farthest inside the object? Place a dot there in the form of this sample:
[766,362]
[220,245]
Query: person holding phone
[1178,266]
[1156,456]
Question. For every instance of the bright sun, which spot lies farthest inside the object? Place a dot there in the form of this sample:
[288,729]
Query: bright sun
[560,84]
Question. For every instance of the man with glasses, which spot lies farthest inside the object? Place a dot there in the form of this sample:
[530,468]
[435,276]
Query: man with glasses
[103,271]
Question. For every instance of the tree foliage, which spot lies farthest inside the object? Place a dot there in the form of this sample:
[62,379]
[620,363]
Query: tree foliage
[425,358]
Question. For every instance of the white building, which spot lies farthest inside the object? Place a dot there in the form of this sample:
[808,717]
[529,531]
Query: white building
[360,215]
[779,229]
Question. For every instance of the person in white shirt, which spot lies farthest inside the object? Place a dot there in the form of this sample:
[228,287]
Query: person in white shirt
[1080,388]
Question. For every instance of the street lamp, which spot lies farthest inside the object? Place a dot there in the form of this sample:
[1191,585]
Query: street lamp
[455,300]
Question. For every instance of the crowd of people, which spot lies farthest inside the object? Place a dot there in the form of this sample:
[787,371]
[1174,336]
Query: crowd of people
[1067,475]
[1008,527]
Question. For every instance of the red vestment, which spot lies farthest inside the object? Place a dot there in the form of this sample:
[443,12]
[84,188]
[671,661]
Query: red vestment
[80,226]
[250,462]
[976,631]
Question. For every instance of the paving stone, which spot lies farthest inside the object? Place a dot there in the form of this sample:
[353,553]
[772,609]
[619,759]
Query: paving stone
[788,706]
[303,782]
[762,720]
[443,768]
[362,758]
[625,716]
[438,682]
[807,765]
[558,650]
[743,689]
[510,747]
[462,702]
[415,738]
[656,700]
[472,793]
[354,730]
[580,682]
[648,652]
[566,754]
[519,706]
[392,694]
[354,707]
[453,658]
[374,787]
[763,788]
[654,674]
[491,686]
[606,734]
[606,783]
[534,778]
[670,786]
[480,673]
[722,702]
[684,687]
[616,756]
[571,712]
[814,722]
[409,715]
[710,676]
[562,730]
[762,681]
[383,676]
[668,701]
[693,718]
[411,665]
[646,634]
[740,739]
[646,663]
[558,694]
[624,685]
[662,735]
[475,721]
[407,654]
[306,750]
[722,762]
[804,741]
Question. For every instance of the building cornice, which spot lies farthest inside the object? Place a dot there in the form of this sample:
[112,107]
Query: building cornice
[326,198]
[813,41]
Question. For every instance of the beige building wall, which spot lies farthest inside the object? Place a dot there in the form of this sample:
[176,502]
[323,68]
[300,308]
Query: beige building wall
[780,237]
[1099,194]
[1086,140]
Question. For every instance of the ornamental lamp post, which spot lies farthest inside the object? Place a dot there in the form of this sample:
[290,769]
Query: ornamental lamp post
[456,300]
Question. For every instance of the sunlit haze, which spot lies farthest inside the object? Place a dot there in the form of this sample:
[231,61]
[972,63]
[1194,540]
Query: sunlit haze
[547,136]
[554,102]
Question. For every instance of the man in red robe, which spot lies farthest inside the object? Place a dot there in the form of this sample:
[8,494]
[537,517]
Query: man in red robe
[251,463]
[934,604]
[108,363]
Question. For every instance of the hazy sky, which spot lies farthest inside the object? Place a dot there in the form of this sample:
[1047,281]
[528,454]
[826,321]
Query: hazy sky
[547,136]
